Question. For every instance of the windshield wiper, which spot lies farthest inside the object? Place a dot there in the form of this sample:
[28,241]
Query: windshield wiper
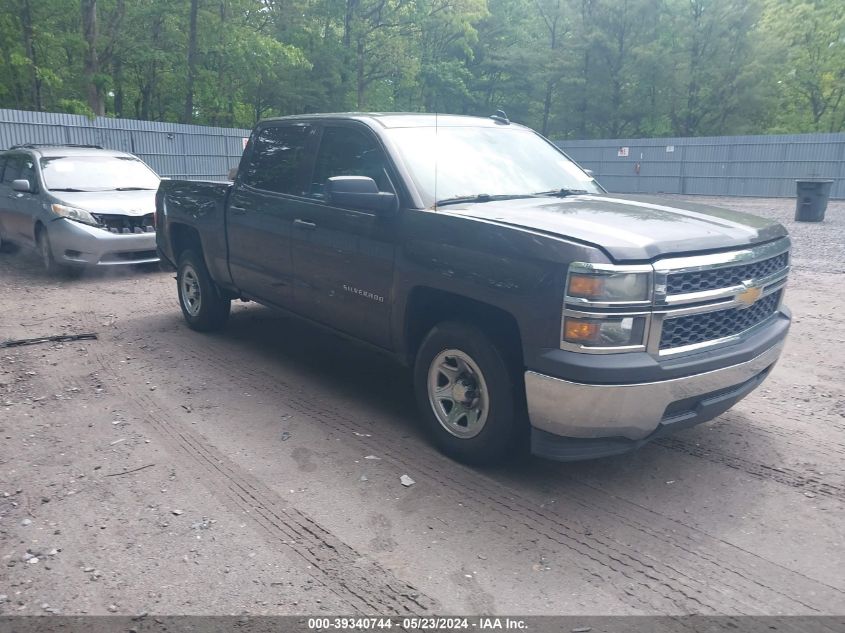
[562,193]
[481,197]
[71,189]
[133,189]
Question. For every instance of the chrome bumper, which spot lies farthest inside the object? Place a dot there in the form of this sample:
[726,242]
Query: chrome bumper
[77,244]
[631,411]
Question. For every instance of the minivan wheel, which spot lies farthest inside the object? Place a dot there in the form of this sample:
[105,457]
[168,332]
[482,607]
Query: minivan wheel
[203,306]
[467,395]
[47,260]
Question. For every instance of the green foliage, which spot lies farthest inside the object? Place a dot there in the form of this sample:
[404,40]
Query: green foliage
[572,68]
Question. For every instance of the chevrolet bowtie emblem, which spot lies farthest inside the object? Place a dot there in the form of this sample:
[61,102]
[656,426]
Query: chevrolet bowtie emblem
[749,296]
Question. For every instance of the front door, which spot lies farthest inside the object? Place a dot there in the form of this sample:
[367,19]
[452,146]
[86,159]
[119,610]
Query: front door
[18,208]
[343,259]
[261,209]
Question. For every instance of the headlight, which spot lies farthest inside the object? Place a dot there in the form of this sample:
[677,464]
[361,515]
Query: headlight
[606,287]
[611,332]
[74,213]
[607,307]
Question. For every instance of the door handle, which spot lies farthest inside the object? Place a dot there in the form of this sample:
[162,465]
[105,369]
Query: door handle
[304,225]
[237,210]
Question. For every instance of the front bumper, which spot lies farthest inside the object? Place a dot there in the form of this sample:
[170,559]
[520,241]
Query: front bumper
[76,244]
[572,420]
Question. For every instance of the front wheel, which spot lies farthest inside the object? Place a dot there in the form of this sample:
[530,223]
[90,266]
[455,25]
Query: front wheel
[203,306]
[468,395]
[42,240]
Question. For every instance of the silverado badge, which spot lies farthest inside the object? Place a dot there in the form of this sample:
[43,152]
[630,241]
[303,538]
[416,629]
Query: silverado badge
[750,295]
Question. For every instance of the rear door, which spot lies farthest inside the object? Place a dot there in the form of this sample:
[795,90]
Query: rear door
[343,258]
[262,206]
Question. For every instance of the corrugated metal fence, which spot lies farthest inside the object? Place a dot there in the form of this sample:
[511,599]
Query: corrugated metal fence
[719,165]
[765,166]
[179,151]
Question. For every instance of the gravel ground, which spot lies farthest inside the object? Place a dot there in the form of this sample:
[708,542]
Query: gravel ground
[258,471]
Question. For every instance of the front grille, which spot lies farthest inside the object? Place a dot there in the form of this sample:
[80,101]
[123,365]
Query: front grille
[698,281]
[708,326]
[126,223]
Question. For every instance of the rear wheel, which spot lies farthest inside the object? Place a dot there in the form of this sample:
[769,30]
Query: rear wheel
[203,305]
[468,395]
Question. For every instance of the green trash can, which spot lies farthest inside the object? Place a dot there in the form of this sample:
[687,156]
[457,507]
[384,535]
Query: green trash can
[812,199]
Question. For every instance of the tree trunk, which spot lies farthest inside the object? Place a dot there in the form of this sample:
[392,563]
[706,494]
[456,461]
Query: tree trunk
[118,88]
[360,75]
[91,62]
[192,62]
[29,46]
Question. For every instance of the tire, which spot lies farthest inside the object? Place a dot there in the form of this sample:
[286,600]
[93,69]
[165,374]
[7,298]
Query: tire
[203,305]
[486,421]
[42,240]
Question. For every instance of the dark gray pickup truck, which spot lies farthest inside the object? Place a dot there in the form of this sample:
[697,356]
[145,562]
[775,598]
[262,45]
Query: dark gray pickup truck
[534,307]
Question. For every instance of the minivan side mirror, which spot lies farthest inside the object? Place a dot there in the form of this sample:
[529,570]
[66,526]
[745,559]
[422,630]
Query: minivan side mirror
[22,185]
[359,192]
[233,174]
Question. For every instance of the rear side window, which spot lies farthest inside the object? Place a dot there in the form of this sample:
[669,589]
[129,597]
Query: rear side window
[13,169]
[346,151]
[277,159]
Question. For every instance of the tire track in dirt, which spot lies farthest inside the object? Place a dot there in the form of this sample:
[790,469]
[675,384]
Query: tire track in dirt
[711,586]
[363,584]
[780,474]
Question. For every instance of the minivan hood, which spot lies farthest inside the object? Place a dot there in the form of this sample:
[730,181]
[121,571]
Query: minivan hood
[628,227]
[131,203]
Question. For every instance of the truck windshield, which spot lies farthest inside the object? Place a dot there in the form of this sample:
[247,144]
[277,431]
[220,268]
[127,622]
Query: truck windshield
[486,163]
[97,173]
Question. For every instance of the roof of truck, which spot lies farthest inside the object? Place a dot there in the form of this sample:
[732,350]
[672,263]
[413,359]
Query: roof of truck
[404,119]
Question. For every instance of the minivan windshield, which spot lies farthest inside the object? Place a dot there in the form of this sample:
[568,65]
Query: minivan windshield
[486,163]
[97,173]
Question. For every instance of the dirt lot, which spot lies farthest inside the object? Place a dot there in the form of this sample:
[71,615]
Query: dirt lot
[267,462]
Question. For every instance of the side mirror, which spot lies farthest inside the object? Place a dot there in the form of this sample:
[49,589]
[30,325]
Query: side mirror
[233,174]
[359,192]
[22,185]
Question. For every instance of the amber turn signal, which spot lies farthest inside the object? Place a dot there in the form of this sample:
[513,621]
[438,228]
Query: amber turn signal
[586,286]
[580,331]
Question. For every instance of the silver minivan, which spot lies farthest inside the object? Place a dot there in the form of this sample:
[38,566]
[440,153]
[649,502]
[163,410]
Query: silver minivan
[79,206]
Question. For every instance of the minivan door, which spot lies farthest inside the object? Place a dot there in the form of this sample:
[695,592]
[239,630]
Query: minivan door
[343,259]
[15,206]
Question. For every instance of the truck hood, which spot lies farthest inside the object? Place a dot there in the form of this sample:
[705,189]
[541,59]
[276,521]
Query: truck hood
[131,203]
[628,227]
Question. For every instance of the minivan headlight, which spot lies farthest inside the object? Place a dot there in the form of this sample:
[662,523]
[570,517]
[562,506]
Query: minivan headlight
[74,213]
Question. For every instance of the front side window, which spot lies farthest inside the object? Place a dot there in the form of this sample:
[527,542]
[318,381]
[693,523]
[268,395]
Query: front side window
[96,173]
[345,151]
[278,156]
[28,172]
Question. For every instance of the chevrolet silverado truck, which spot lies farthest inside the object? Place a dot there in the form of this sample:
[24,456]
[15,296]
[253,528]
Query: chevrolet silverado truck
[534,308]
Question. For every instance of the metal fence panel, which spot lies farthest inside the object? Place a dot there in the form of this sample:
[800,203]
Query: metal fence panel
[720,165]
[173,150]
[765,166]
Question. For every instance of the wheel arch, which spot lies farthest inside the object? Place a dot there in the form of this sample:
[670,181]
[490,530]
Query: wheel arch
[426,307]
